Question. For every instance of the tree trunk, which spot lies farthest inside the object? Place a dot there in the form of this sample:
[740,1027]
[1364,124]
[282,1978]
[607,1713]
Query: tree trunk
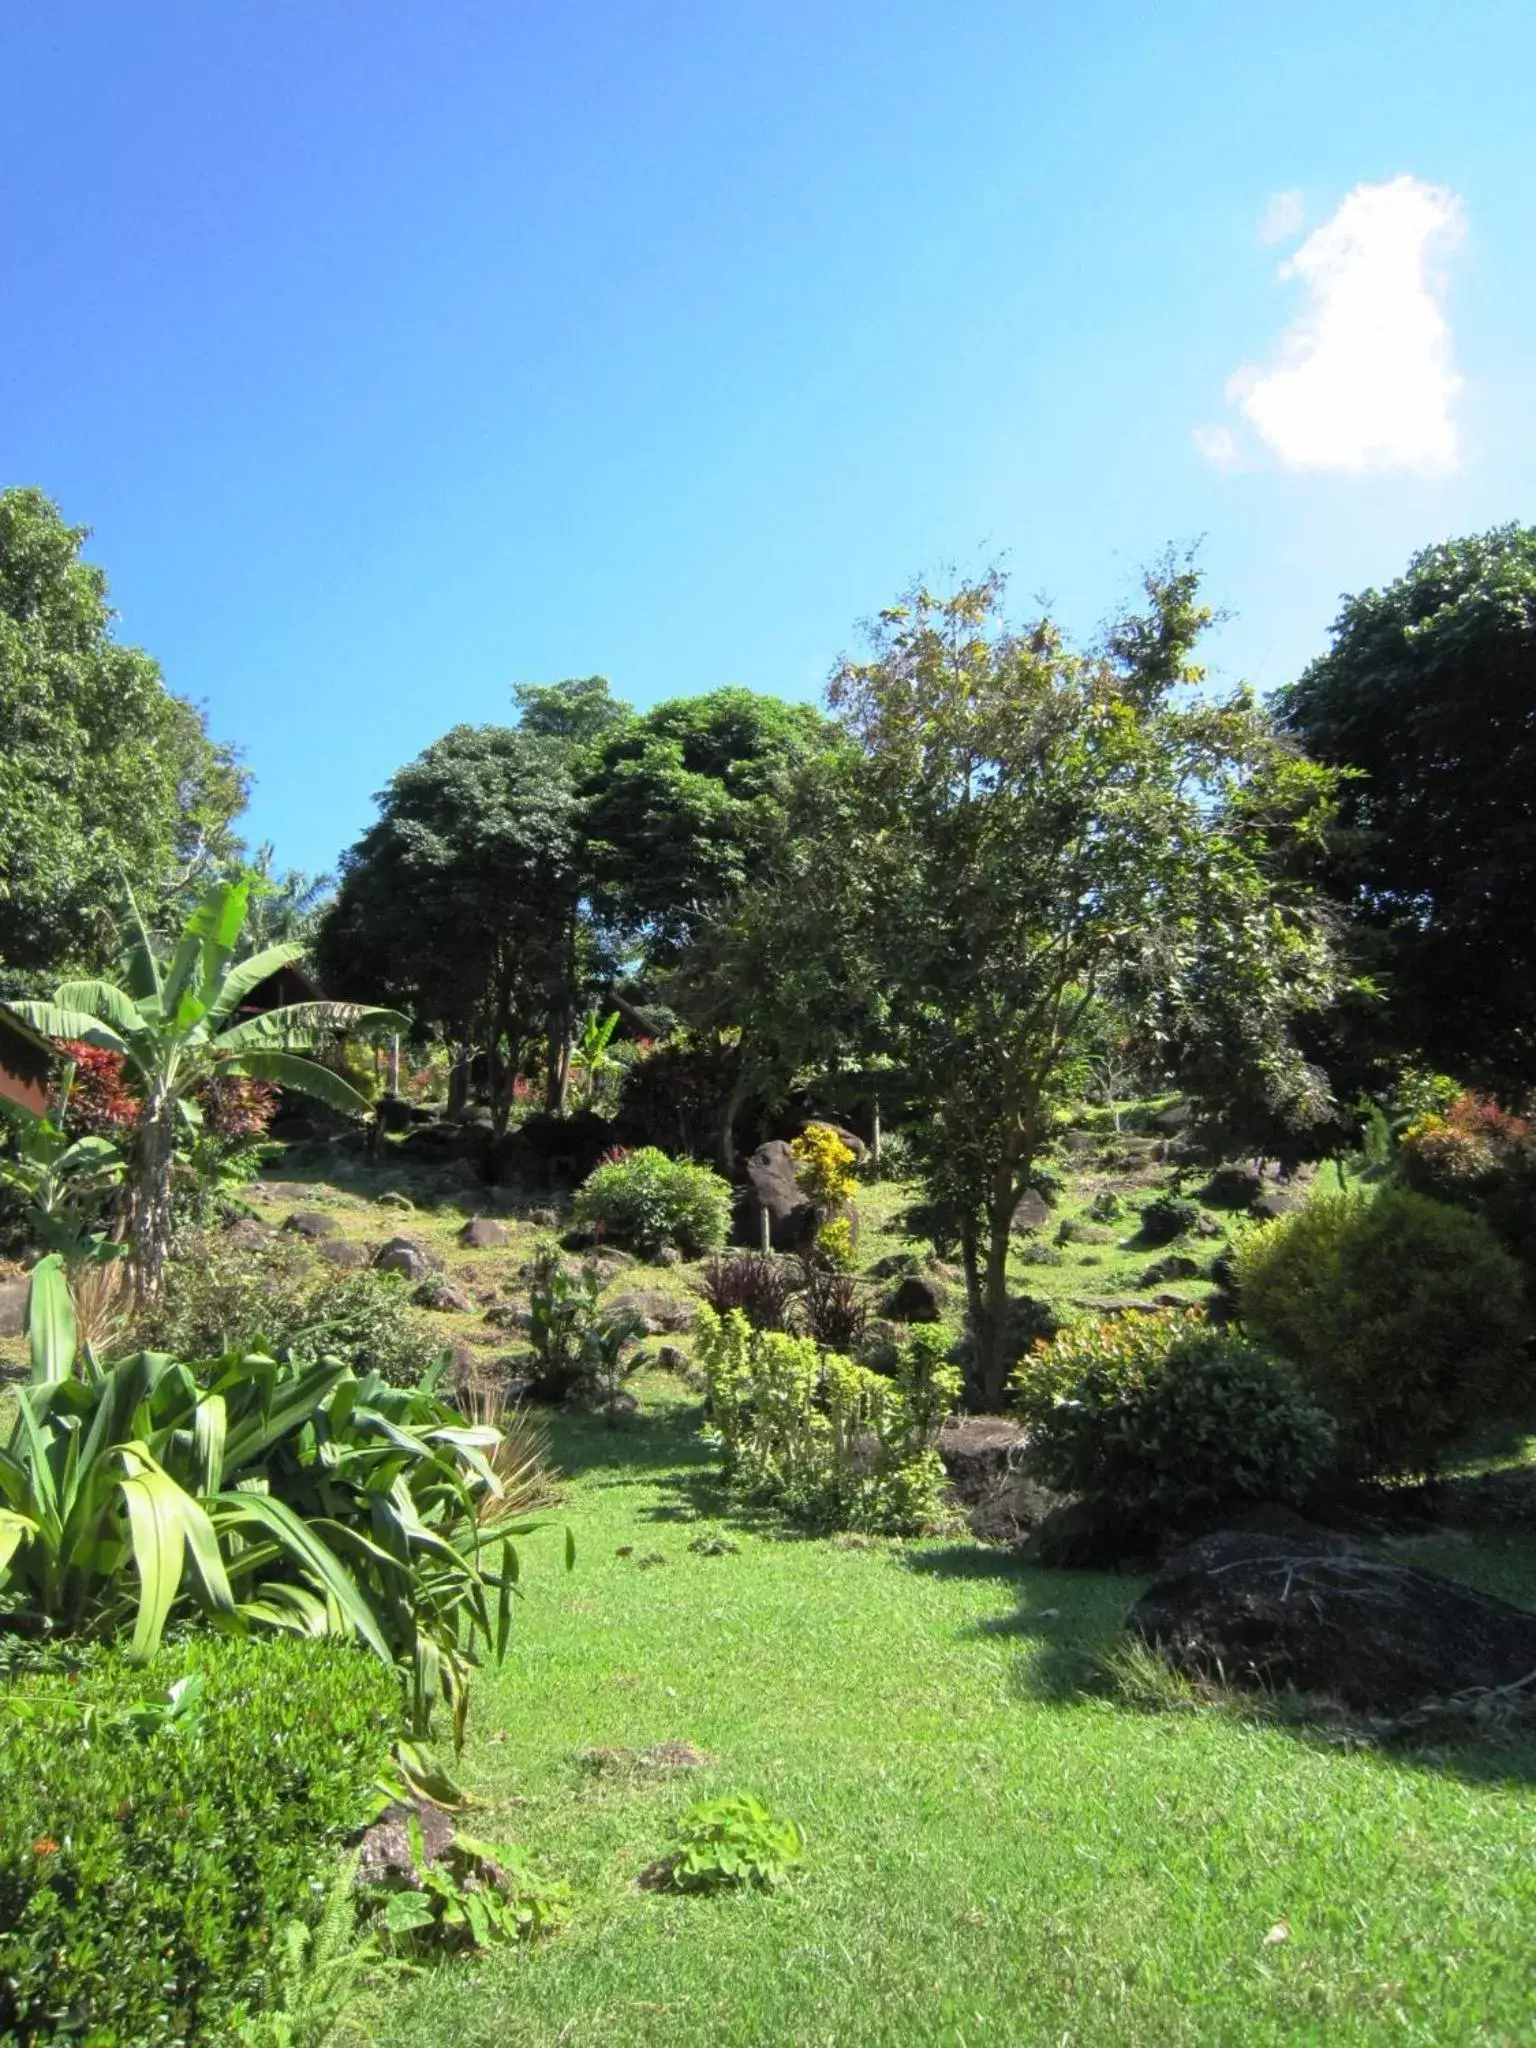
[149,1197]
[986,1286]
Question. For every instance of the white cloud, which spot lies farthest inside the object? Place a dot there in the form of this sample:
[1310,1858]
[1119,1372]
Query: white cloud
[1364,381]
[1284,217]
[1219,446]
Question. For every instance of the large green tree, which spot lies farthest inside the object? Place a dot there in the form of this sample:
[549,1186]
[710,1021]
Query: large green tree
[1016,834]
[461,904]
[103,773]
[1428,694]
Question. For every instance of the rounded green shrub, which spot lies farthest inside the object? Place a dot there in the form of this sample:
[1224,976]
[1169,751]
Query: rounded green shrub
[1404,1316]
[644,1200]
[1161,1421]
[155,1834]
[1166,1217]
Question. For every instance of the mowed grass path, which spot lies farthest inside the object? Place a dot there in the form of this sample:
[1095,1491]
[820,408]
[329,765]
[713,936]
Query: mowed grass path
[986,1863]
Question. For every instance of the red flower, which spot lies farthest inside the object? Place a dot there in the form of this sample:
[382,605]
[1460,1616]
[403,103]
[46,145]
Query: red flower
[100,1103]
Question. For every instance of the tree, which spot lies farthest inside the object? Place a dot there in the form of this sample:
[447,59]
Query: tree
[103,773]
[461,904]
[175,1024]
[1021,834]
[677,806]
[285,909]
[581,711]
[1428,694]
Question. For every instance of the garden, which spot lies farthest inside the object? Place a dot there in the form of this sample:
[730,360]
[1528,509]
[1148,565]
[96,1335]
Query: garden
[787,1376]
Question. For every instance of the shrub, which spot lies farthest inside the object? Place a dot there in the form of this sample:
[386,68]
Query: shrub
[823,1166]
[148,1857]
[1106,1207]
[575,1345]
[1166,1217]
[831,1306]
[1161,1421]
[758,1284]
[732,1844]
[285,1496]
[1403,1314]
[217,1299]
[647,1200]
[830,1442]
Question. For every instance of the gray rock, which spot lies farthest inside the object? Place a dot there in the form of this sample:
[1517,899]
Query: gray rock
[482,1235]
[249,1234]
[340,1251]
[311,1223]
[1270,1207]
[1177,1266]
[774,1190]
[894,1266]
[667,1255]
[437,1293]
[544,1219]
[403,1255]
[13,1306]
[1033,1211]
[656,1313]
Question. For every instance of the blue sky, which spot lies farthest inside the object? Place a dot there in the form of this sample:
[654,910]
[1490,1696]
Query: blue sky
[396,353]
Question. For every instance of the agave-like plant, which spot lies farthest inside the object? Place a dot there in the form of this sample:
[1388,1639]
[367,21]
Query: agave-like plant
[176,1025]
[276,1495]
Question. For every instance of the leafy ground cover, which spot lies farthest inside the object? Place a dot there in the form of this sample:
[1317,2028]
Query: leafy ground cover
[993,1855]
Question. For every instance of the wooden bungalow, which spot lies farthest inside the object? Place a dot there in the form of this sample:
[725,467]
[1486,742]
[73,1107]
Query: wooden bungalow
[26,1061]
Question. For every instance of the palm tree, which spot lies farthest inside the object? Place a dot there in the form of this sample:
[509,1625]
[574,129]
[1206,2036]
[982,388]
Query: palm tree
[176,1026]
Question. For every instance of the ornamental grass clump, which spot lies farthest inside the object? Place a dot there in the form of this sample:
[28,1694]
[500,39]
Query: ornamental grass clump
[827,1441]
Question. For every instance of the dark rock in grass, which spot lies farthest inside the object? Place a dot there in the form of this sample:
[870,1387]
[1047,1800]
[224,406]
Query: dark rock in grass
[480,1234]
[1233,1187]
[404,1256]
[1177,1266]
[1072,1535]
[1322,1617]
[978,1451]
[879,1345]
[508,1315]
[340,1251]
[1270,1207]
[437,1293]
[914,1300]
[774,1191]
[249,1234]
[387,1852]
[311,1223]
[13,1306]
[655,1313]
[1032,1213]
[894,1266]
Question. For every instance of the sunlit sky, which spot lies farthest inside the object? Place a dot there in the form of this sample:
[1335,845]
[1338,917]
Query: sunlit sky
[396,353]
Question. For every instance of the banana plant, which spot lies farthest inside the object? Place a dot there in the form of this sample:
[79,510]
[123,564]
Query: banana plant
[262,1495]
[176,1024]
[591,1061]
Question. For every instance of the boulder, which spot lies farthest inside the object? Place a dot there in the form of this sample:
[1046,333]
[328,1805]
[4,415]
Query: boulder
[894,1266]
[1071,1535]
[403,1255]
[978,1451]
[340,1251]
[387,1853]
[1033,1211]
[773,1190]
[914,1300]
[311,1223]
[1177,1117]
[249,1234]
[13,1306]
[655,1312]
[480,1234]
[437,1293]
[1274,1204]
[1177,1266]
[1233,1187]
[1324,1617]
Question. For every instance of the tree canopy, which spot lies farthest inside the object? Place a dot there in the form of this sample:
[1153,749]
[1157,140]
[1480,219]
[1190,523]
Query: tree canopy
[104,775]
[1429,694]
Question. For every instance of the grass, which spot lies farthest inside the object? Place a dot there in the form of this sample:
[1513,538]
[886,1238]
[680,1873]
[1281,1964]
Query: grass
[994,1855]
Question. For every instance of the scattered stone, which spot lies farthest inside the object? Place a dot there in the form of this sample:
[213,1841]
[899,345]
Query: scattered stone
[1033,1212]
[311,1223]
[480,1234]
[544,1219]
[13,1307]
[249,1234]
[403,1255]
[655,1313]
[340,1251]
[1323,1617]
[671,1358]
[508,1315]
[440,1294]
[668,1255]
[914,1300]
[1177,1266]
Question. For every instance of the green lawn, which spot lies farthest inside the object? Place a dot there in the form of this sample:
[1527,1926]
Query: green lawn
[988,1860]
